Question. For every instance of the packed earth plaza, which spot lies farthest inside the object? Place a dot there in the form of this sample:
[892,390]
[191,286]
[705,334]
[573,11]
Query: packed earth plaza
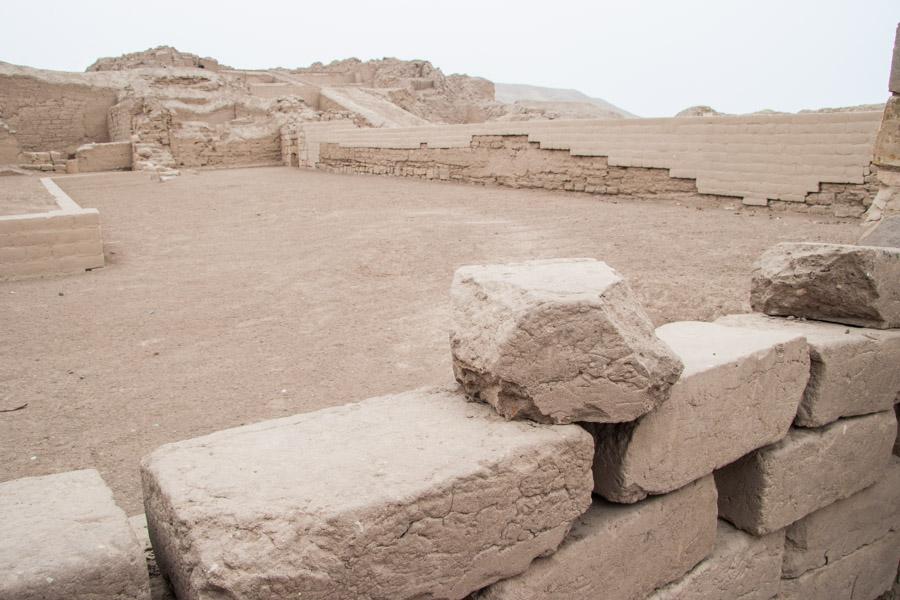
[364,330]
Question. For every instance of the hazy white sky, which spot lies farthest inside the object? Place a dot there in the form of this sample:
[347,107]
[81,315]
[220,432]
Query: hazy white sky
[651,57]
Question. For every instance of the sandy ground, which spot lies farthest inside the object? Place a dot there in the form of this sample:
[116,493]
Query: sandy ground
[24,194]
[236,296]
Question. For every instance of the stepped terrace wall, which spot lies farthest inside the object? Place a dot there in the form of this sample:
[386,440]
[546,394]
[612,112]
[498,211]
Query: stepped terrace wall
[505,160]
[820,163]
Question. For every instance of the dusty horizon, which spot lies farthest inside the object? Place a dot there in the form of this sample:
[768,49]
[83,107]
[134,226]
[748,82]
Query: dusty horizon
[737,58]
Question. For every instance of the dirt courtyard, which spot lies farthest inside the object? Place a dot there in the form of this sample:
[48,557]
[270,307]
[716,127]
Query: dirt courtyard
[235,296]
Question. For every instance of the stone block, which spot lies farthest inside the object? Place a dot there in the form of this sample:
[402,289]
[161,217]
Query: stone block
[863,575]
[63,537]
[739,391]
[417,495]
[557,341]
[853,371]
[622,551]
[886,152]
[809,469]
[856,285]
[111,156]
[839,529]
[741,566]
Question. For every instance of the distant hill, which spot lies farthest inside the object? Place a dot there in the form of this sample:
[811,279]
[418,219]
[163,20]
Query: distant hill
[520,92]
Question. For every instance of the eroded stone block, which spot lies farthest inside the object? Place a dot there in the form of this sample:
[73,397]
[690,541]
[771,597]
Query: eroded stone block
[741,566]
[63,537]
[739,391]
[809,469]
[417,495]
[622,552]
[557,341]
[863,575]
[856,285]
[853,371]
[839,529]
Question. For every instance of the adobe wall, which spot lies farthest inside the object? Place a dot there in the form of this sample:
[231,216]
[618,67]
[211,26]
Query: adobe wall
[58,242]
[112,156]
[225,151]
[510,161]
[815,163]
[54,116]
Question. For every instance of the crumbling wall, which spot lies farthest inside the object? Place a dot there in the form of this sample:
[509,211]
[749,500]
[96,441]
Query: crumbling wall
[54,116]
[206,147]
[510,161]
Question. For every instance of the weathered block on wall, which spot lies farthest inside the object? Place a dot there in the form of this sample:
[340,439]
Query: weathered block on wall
[863,575]
[415,495]
[856,285]
[741,566]
[63,537]
[809,469]
[622,552]
[113,156]
[557,341]
[739,391]
[839,529]
[887,144]
[853,371]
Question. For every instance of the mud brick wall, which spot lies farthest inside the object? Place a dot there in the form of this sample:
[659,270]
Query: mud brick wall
[113,156]
[119,121]
[510,161]
[216,152]
[50,116]
[53,243]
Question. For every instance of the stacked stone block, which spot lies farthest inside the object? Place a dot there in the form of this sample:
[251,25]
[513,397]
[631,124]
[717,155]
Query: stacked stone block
[749,458]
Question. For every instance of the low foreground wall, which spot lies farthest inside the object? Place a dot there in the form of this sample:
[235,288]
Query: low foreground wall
[57,242]
[584,455]
[113,156]
[819,163]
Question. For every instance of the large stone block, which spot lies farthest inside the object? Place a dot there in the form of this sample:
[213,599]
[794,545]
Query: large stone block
[739,391]
[63,537]
[853,371]
[856,285]
[417,495]
[741,566]
[809,469]
[863,575]
[887,144]
[622,552]
[839,529]
[557,341]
